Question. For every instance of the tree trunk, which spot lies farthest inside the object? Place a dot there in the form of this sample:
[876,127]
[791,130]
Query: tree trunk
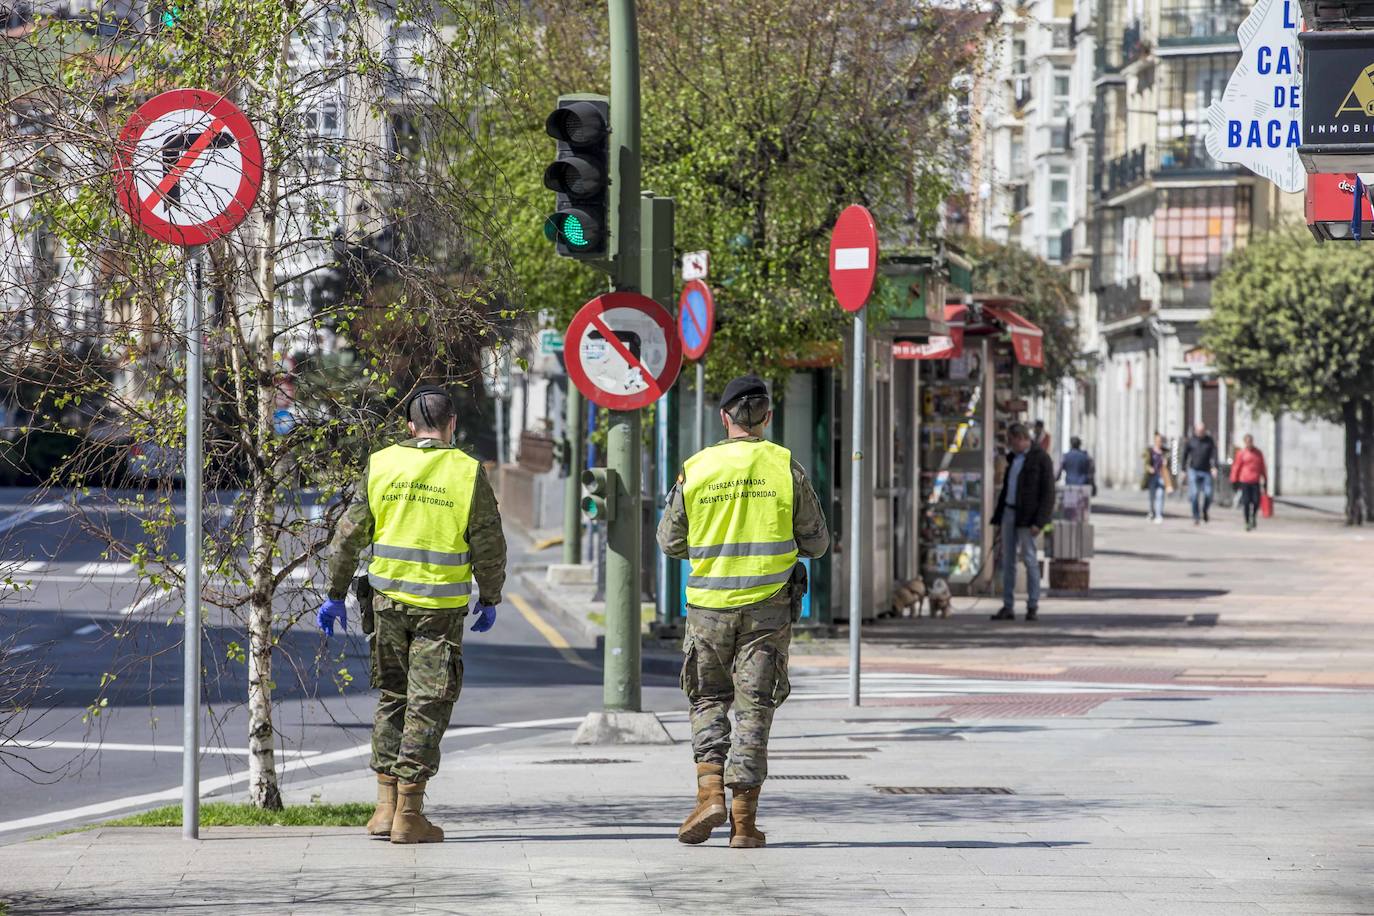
[263,788]
[1354,501]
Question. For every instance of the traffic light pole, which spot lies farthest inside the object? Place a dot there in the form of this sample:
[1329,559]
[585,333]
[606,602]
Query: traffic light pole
[621,685]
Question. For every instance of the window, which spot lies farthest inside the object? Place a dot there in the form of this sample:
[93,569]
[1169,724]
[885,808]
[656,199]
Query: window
[1195,228]
[1059,191]
[1059,94]
[1187,87]
[1018,56]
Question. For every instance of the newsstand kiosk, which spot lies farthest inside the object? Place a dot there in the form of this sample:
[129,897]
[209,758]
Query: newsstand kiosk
[969,394]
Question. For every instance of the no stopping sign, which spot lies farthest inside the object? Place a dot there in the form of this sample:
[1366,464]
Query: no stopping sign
[622,351]
[188,167]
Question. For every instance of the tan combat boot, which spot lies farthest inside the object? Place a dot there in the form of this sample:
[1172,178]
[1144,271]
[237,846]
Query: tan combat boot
[380,822]
[710,810]
[410,825]
[744,807]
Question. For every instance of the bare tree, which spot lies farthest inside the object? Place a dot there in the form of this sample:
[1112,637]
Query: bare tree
[351,282]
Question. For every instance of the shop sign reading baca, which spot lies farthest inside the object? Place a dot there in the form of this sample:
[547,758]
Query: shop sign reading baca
[1256,121]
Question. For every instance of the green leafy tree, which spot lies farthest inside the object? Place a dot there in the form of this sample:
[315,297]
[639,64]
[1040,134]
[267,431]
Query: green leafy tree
[763,119]
[1049,301]
[1293,324]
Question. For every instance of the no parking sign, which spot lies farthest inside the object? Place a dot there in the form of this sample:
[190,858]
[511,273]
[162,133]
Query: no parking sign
[622,351]
[188,167]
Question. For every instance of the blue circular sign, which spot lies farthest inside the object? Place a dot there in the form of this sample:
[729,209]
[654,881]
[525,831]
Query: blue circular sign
[696,318]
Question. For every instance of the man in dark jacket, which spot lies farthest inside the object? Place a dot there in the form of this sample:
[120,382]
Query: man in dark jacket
[1077,467]
[1200,458]
[1024,506]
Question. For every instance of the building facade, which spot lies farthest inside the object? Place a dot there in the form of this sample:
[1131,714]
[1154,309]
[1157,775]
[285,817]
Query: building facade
[1120,190]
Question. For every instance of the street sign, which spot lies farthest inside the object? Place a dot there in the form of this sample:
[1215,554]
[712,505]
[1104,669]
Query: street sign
[622,351]
[550,341]
[696,318]
[695,265]
[854,257]
[187,167]
[1256,122]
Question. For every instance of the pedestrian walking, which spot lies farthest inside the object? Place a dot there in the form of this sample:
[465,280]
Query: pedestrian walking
[1077,466]
[1249,473]
[1025,505]
[1042,436]
[1200,458]
[430,516]
[1158,479]
[742,511]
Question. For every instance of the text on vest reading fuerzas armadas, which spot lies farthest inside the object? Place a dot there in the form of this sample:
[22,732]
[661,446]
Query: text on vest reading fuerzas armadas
[410,495]
[737,494]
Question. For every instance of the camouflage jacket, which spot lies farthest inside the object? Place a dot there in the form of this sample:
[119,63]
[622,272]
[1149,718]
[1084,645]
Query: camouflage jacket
[808,521]
[486,540]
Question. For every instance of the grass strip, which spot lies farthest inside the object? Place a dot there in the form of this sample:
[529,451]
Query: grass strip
[228,814]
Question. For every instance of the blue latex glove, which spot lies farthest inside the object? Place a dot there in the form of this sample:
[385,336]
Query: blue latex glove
[486,617]
[332,610]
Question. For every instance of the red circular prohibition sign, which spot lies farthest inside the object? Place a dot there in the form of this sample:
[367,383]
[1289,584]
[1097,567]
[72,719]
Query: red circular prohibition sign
[590,319]
[224,116]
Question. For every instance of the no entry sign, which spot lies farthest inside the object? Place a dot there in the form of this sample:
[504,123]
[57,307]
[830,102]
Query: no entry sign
[696,318]
[188,167]
[622,351]
[854,257]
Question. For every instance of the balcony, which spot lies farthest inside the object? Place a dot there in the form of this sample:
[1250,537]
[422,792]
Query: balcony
[1183,156]
[1201,24]
[1118,301]
[1121,174]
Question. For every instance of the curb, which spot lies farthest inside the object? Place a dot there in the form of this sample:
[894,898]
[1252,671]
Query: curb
[532,582]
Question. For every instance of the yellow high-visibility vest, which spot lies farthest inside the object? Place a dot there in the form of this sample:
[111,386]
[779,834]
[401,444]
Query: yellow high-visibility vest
[420,500]
[738,497]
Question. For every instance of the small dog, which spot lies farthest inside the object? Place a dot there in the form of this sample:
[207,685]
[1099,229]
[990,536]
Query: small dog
[939,597]
[908,596]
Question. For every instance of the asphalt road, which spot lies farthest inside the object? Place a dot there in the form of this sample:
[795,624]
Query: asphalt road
[81,617]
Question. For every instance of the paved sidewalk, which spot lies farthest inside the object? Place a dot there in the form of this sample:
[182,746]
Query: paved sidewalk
[1196,800]
[1288,603]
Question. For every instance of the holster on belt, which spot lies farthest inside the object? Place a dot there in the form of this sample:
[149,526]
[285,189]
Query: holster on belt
[797,586]
[362,590]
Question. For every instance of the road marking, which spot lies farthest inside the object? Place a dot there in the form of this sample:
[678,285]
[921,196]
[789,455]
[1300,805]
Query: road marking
[809,686]
[104,569]
[547,631]
[24,516]
[46,745]
[26,566]
[207,786]
[88,629]
[21,649]
[144,603]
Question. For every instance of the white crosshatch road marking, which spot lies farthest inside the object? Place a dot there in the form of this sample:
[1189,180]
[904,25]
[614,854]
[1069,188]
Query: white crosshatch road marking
[816,686]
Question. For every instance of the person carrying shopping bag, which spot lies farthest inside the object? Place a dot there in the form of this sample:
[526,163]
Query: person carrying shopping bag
[1250,476]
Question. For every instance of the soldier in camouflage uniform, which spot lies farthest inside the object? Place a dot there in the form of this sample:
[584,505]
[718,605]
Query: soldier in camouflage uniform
[433,525]
[742,511]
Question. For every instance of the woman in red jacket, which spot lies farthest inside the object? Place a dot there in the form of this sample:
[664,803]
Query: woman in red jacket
[1249,474]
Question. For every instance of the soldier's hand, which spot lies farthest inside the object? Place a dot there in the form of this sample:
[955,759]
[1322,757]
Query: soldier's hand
[486,617]
[332,610]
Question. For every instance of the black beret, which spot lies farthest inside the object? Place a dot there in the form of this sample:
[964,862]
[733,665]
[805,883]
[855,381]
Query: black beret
[743,387]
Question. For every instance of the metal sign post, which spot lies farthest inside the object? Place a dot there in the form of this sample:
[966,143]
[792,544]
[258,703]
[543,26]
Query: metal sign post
[855,484]
[188,169]
[853,272]
[190,702]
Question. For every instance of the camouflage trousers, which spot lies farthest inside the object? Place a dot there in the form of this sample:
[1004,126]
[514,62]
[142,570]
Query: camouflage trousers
[736,657]
[417,663]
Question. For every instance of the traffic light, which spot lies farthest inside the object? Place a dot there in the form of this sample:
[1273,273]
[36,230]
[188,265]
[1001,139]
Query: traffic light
[580,177]
[598,500]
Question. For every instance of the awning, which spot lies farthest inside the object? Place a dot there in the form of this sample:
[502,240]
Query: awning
[940,347]
[1027,340]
